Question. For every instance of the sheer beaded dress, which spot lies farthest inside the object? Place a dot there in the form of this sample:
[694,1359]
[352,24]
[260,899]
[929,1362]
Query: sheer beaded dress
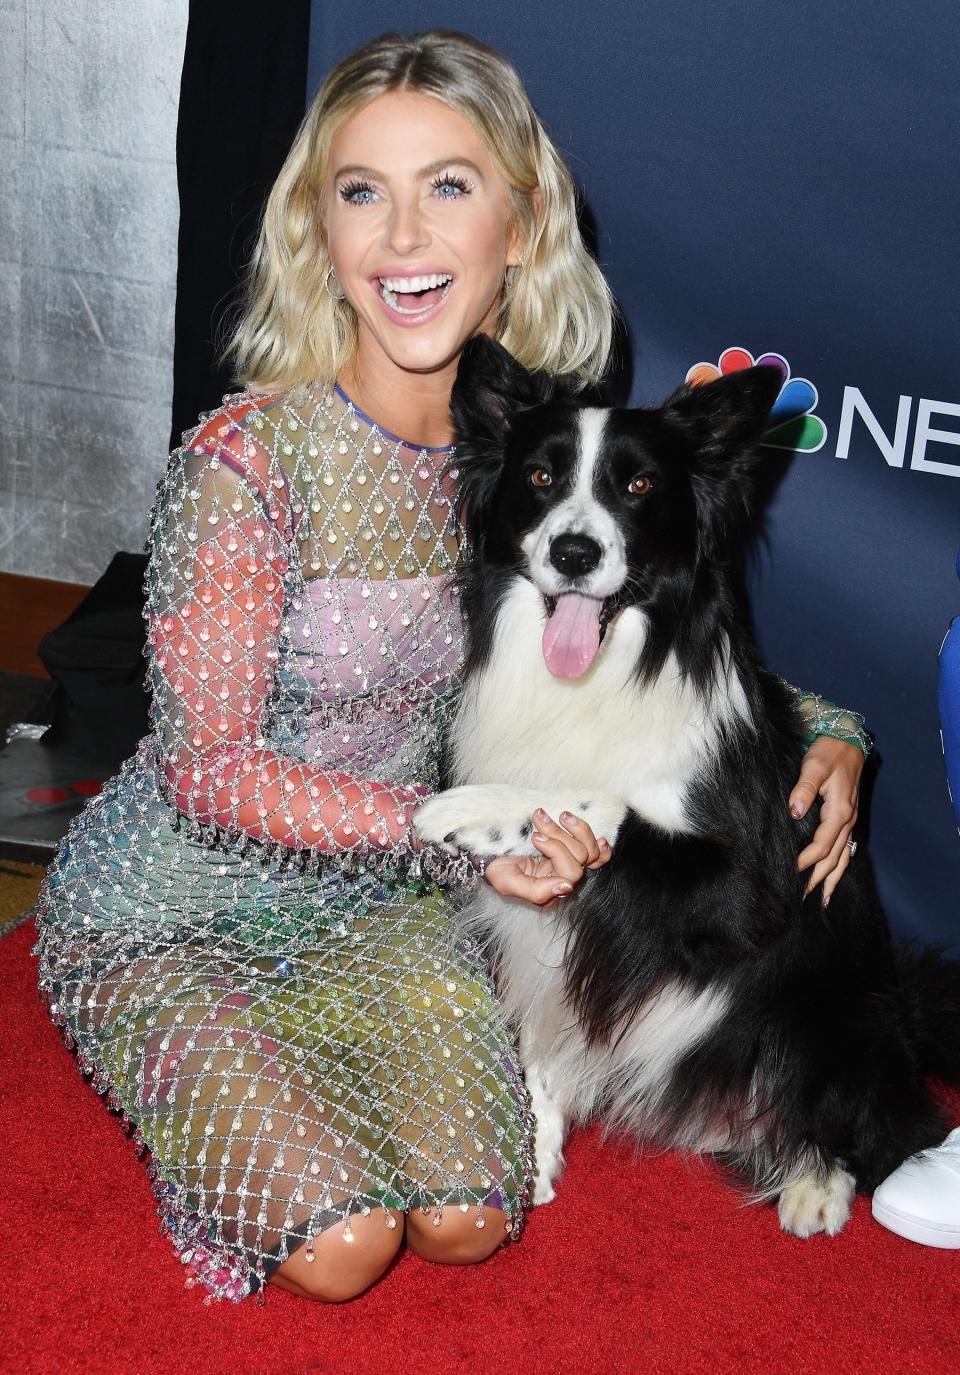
[237,934]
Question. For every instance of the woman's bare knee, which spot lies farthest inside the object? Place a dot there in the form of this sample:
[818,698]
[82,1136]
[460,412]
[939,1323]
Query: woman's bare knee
[342,1269]
[456,1240]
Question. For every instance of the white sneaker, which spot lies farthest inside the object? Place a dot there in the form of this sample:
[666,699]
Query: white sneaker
[921,1199]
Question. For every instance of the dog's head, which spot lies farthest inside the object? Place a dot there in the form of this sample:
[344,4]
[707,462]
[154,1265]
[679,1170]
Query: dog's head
[603,509]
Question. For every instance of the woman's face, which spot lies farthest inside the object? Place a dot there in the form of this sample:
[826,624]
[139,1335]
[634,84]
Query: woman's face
[418,226]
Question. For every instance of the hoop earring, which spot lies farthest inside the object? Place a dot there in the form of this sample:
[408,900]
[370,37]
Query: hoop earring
[511,272]
[334,295]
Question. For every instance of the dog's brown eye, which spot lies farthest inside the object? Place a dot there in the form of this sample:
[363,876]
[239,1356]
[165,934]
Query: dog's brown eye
[640,485]
[541,478]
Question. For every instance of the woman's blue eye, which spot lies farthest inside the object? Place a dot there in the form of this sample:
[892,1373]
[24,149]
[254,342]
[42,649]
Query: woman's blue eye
[358,193]
[450,188]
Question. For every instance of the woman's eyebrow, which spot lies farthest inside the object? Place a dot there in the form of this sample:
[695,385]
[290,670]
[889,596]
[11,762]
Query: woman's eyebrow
[437,166]
[354,172]
[443,163]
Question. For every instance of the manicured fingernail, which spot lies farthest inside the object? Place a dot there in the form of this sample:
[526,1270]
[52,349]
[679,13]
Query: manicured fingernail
[826,899]
[604,843]
[566,816]
[538,836]
[561,888]
[539,812]
[796,810]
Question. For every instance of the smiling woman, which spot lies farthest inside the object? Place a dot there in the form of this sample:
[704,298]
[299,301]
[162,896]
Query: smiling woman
[419,228]
[478,142]
[243,934]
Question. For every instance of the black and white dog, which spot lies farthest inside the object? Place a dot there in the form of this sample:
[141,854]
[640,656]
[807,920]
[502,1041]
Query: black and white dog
[686,990]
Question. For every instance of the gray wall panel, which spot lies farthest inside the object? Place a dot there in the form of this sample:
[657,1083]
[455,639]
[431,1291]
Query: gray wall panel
[88,257]
[85,452]
[9,307]
[12,65]
[123,328]
[11,201]
[8,455]
[55,531]
[100,212]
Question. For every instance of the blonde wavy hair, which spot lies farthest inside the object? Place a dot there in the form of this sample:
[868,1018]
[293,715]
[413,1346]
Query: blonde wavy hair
[556,312]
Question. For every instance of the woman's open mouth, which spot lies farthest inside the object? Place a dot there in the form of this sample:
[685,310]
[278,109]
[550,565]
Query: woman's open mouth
[415,298]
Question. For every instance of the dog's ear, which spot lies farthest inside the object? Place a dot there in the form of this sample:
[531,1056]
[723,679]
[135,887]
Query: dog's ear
[491,386]
[491,389]
[728,416]
[721,424]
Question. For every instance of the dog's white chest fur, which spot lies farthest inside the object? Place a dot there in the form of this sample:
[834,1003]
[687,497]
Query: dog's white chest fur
[519,725]
[596,746]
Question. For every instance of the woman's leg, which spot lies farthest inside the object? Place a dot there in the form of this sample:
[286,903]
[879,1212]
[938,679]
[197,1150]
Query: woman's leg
[456,1239]
[341,1270]
[246,1133]
[274,1102]
[460,1123]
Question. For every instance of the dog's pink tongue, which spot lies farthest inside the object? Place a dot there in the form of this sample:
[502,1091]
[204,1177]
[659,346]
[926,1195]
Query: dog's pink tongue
[571,637]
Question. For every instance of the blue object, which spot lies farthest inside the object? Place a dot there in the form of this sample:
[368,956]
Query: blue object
[949,702]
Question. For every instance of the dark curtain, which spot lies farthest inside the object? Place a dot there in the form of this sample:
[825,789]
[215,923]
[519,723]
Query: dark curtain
[242,96]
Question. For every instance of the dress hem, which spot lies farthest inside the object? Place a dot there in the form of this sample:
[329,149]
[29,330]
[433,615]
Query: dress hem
[209,1261]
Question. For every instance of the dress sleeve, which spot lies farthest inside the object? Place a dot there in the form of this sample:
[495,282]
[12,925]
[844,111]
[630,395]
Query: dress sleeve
[819,716]
[221,549]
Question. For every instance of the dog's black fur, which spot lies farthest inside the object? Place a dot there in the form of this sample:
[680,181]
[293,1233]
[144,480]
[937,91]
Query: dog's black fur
[830,1029]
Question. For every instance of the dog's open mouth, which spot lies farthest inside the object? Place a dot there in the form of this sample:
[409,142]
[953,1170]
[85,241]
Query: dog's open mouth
[575,627]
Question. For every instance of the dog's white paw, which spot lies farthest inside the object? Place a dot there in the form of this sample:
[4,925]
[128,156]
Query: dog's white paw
[550,1162]
[495,819]
[543,1190]
[817,1203]
[484,818]
[548,1138]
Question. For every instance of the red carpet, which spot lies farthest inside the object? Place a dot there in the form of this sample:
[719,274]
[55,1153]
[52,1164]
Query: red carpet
[639,1266]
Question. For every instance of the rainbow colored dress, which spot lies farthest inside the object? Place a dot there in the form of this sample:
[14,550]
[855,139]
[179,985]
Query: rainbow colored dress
[252,961]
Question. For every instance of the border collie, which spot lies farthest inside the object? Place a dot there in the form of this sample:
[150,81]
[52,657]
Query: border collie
[687,990]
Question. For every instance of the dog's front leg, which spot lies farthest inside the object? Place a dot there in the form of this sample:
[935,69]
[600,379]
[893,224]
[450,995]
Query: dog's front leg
[497,819]
[550,1131]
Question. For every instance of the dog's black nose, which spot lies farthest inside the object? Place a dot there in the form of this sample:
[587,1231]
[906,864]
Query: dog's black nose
[575,554]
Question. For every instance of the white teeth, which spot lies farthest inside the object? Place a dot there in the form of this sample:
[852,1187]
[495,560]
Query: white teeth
[389,286]
[407,284]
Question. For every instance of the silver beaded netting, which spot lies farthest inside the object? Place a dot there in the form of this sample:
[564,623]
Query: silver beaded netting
[236,934]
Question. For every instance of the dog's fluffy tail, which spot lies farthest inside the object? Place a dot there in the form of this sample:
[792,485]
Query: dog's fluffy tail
[931,989]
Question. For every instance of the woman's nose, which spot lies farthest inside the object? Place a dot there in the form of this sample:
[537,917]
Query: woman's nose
[406,229]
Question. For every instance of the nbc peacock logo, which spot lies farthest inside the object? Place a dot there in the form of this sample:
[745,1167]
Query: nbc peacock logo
[792,422]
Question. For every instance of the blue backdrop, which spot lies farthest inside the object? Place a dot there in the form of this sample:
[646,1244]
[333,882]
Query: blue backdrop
[780,177]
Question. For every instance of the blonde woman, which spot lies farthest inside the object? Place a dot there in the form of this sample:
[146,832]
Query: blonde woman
[241,934]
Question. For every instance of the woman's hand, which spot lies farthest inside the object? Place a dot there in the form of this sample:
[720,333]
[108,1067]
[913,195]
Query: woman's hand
[831,769]
[566,851]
